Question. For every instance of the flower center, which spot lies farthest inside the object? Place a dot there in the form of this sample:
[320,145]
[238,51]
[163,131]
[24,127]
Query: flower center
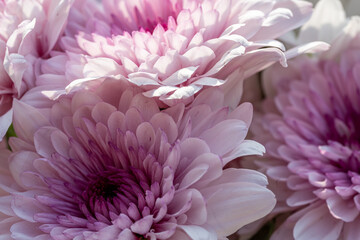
[343,135]
[345,130]
[110,185]
[103,187]
[143,15]
[111,192]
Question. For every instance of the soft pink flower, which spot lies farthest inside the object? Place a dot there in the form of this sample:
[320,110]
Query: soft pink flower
[311,131]
[29,29]
[112,165]
[326,23]
[351,7]
[171,49]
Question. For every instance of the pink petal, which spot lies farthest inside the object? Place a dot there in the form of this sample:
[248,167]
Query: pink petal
[342,209]
[143,225]
[325,23]
[26,206]
[166,124]
[233,205]
[146,106]
[245,148]
[241,175]
[225,136]
[351,230]
[126,234]
[318,224]
[196,232]
[102,111]
[179,76]
[16,65]
[300,198]
[26,231]
[204,169]
[42,141]
[20,162]
[296,13]
[58,14]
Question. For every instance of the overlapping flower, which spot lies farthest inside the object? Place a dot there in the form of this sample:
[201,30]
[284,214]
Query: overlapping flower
[311,132]
[112,165]
[171,49]
[29,30]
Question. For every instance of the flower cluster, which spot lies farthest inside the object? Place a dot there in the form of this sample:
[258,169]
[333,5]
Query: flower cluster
[126,120]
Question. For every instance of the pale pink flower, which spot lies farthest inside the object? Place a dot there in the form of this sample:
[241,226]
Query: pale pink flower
[311,132]
[352,7]
[112,165]
[171,49]
[29,29]
[326,23]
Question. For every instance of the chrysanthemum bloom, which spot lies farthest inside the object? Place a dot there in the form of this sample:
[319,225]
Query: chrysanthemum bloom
[171,49]
[29,30]
[111,165]
[325,24]
[312,136]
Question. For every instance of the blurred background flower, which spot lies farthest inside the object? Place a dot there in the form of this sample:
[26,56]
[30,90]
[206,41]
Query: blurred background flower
[325,24]
[309,127]
[29,29]
[352,7]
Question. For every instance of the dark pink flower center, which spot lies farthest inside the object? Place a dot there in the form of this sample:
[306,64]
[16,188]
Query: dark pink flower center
[111,191]
[345,128]
[105,186]
[145,16]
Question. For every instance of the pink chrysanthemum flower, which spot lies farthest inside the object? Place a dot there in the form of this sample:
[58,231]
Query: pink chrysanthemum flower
[112,165]
[312,135]
[171,49]
[29,29]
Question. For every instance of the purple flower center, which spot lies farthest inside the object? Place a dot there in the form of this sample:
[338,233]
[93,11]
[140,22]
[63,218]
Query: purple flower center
[106,187]
[111,192]
[344,128]
[326,116]
[94,193]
